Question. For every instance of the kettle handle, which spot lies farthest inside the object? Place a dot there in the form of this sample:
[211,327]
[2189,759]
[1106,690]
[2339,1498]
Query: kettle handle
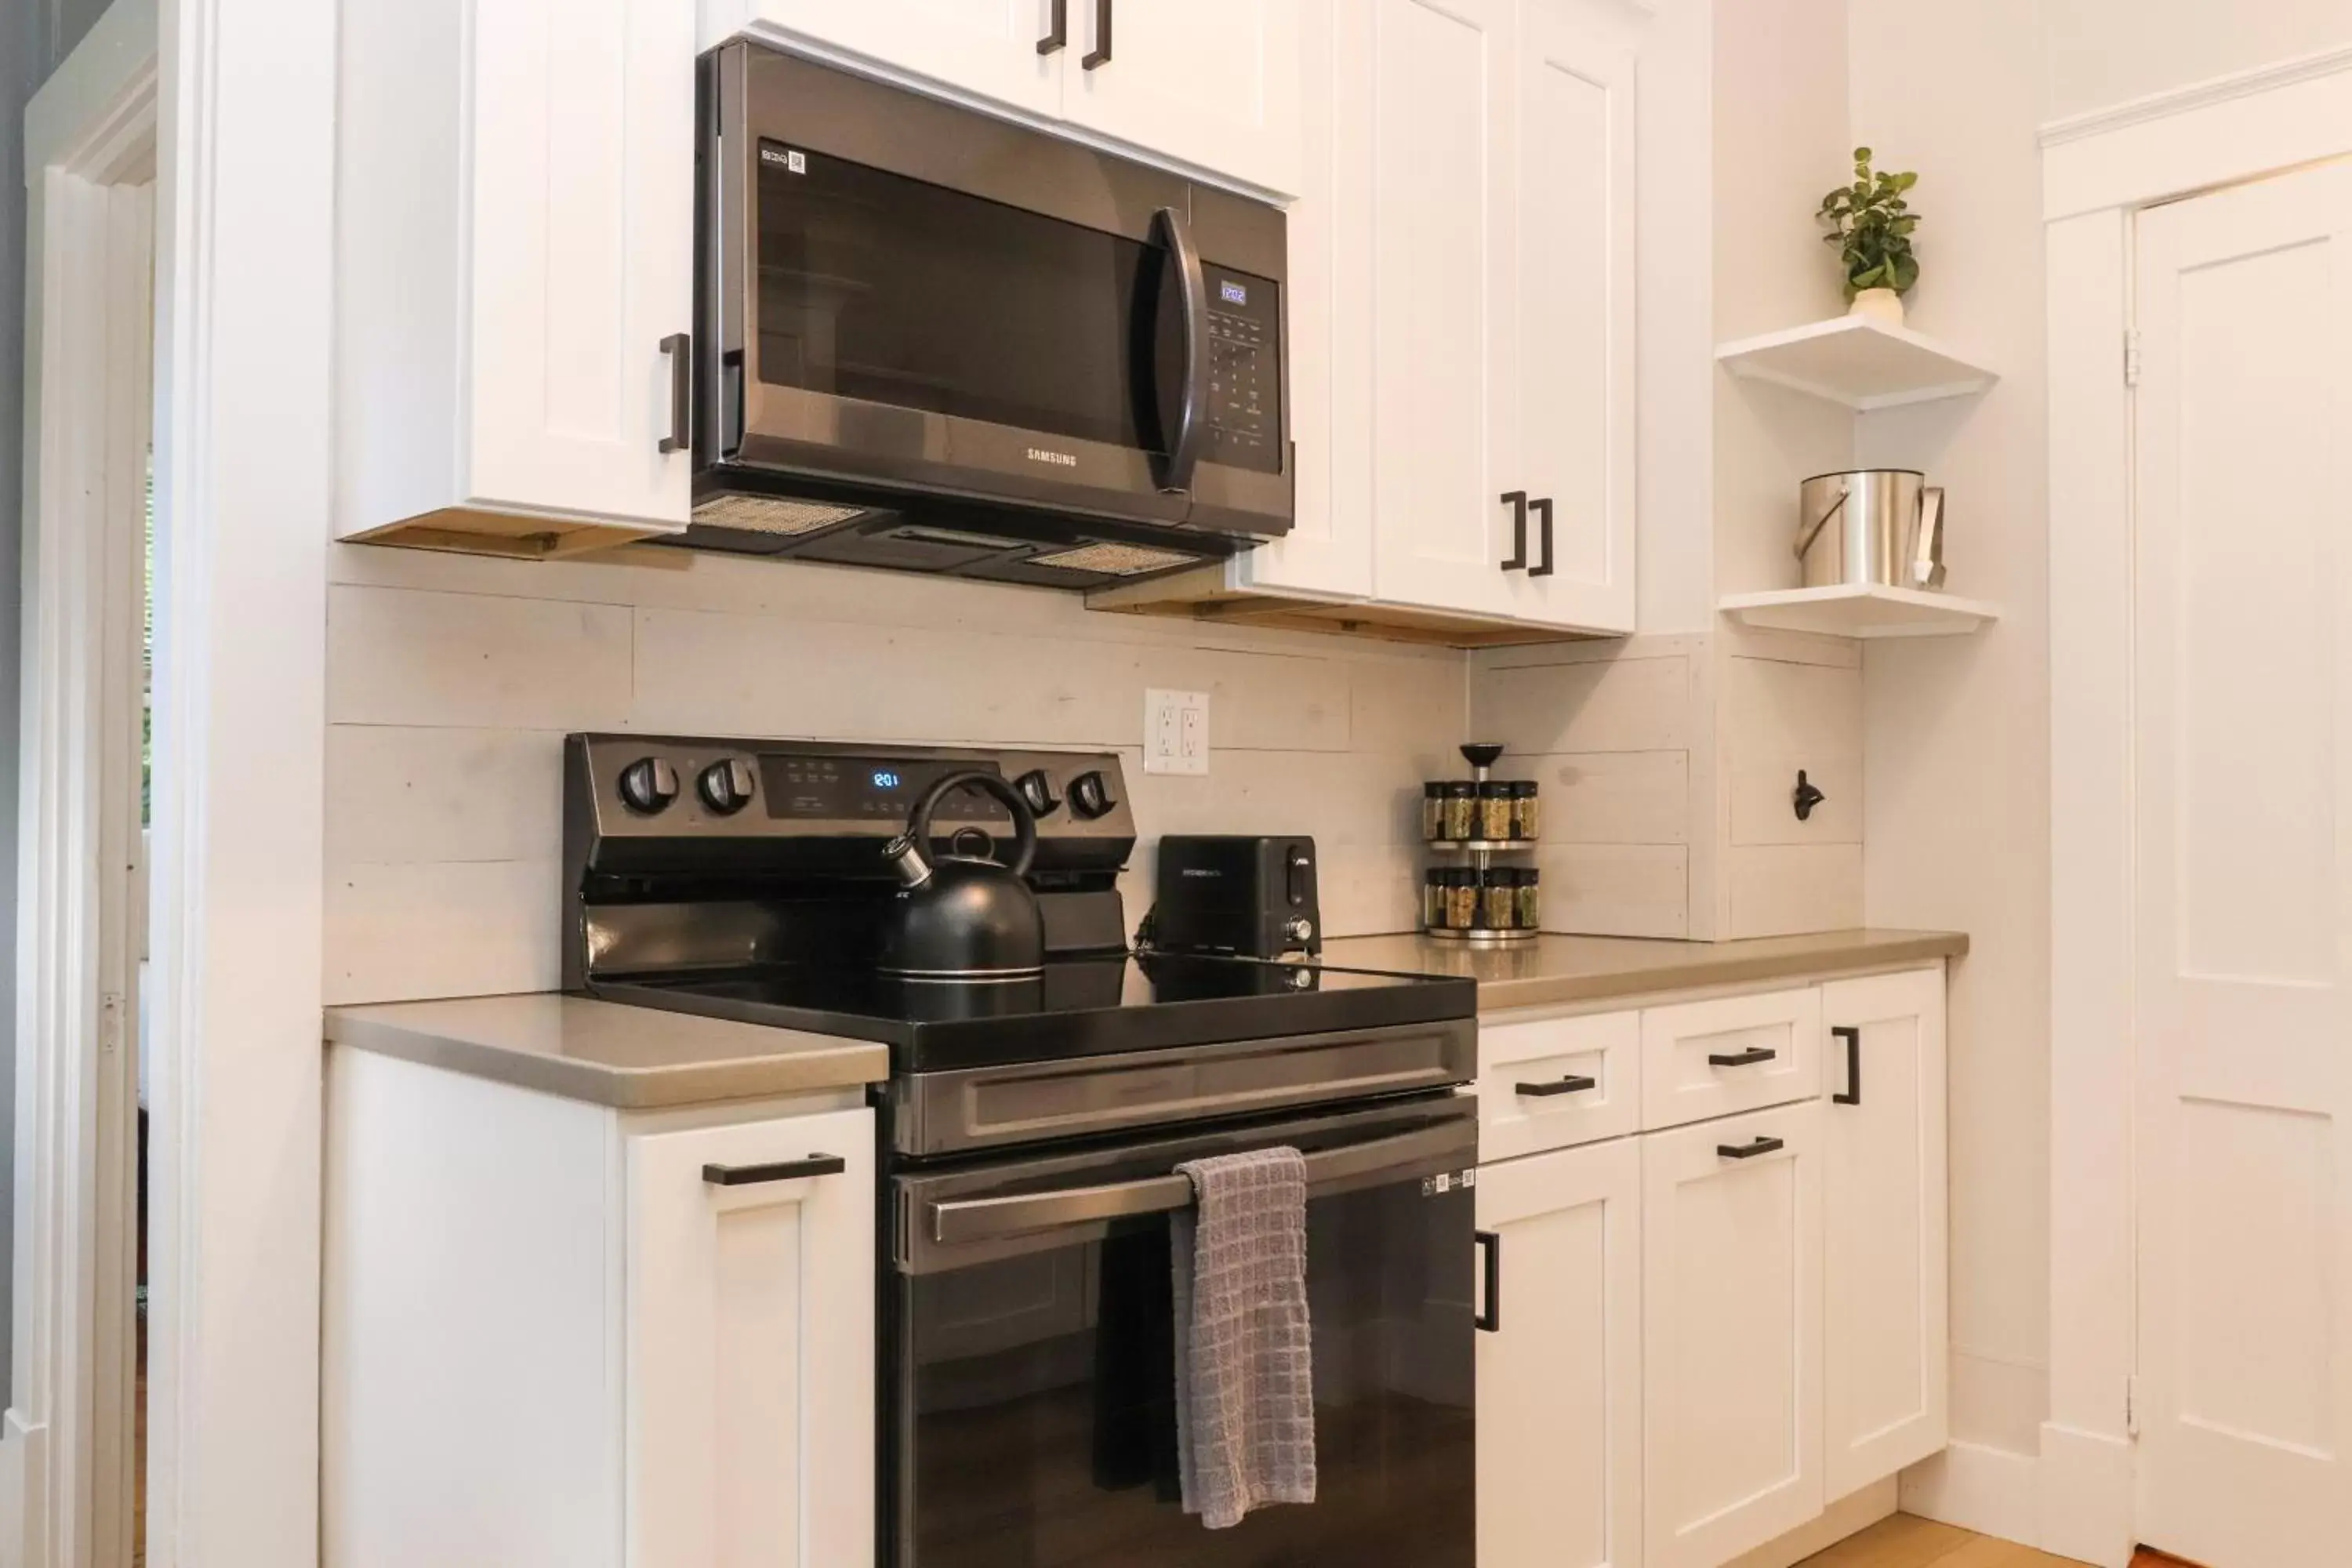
[1025,820]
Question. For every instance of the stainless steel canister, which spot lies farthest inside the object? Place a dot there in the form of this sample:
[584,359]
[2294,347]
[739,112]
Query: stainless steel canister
[1872,525]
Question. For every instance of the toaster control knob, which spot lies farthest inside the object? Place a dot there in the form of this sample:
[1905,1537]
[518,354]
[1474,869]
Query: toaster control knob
[1300,929]
[727,786]
[648,785]
[1090,796]
[1036,788]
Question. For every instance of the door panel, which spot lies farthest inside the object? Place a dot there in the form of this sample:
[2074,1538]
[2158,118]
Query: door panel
[1575,200]
[2244,872]
[1885,1347]
[984,47]
[1559,1380]
[1732,1335]
[750,1349]
[1443,337]
[1212,82]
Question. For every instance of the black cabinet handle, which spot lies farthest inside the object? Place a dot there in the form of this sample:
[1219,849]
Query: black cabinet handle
[679,347]
[1749,1150]
[1852,1038]
[782,1171]
[1518,502]
[1059,38]
[1490,1244]
[1747,1058]
[1100,53]
[1571,1084]
[1543,510]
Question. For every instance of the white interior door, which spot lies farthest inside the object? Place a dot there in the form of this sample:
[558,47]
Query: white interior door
[1212,82]
[2244,872]
[1444,341]
[1559,1378]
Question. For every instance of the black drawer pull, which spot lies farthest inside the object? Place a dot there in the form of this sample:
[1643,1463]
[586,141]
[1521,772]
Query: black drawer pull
[1100,53]
[1569,1085]
[1490,1322]
[782,1171]
[1057,38]
[1747,1058]
[1749,1150]
[1852,1038]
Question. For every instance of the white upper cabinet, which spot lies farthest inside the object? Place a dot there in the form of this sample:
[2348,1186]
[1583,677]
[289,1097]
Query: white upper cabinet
[1211,84]
[514,252]
[1006,50]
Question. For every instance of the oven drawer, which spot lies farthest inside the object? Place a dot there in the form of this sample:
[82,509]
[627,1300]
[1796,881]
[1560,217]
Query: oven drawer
[1729,1054]
[1549,1083]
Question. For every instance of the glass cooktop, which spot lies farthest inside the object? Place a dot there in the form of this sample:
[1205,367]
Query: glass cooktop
[1078,1007]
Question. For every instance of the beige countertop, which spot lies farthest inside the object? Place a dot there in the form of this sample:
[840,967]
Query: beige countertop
[1556,971]
[631,1058]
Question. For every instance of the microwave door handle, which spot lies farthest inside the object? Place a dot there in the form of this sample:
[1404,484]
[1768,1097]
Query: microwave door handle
[1192,410]
[992,1219]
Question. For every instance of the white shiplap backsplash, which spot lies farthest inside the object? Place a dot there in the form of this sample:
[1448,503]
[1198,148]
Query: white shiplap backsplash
[452,682]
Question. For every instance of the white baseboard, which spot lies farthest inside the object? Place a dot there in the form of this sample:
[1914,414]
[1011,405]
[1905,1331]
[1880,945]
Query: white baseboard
[2086,1496]
[24,1493]
[1990,1490]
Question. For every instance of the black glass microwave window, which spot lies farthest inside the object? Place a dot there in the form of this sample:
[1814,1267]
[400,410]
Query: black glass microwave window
[1044,1426]
[893,290]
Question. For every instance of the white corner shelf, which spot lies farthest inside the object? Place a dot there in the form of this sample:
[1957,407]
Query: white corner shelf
[1857,362]
[1860,610]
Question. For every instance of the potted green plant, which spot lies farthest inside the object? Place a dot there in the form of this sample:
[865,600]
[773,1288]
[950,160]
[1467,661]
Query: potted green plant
[1871,224]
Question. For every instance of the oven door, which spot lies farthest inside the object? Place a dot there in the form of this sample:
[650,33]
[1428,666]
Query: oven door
[1028,1374]
[920,295]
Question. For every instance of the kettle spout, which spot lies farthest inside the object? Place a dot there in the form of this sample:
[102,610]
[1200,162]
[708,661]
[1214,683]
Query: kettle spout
[907,857]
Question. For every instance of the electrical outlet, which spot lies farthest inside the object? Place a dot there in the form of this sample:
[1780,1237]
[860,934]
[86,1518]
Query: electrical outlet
[1175,732]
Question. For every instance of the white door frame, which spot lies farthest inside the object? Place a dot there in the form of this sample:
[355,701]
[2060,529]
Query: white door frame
[66,1455]
[2097,171]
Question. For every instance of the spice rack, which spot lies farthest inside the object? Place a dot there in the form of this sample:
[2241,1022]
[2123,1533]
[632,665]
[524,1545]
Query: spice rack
[1472,841]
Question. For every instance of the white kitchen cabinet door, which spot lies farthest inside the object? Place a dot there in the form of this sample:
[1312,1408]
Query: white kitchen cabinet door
[1214,83]
[1731,1349]
[1444,250]
[1559,1378]
[1003,51]
[750,1347]
[1885,1395]
[1574,211]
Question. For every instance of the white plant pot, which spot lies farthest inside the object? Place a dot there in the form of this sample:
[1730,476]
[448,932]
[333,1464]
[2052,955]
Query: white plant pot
[1883,306]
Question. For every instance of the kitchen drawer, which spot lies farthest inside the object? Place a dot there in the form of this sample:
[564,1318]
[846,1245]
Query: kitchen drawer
[1728,1054]
[1548,1083]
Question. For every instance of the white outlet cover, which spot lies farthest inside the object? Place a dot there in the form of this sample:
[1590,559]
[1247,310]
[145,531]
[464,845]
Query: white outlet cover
[1175,732]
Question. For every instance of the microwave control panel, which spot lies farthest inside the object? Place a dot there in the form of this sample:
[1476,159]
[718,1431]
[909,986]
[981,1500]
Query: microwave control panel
[1244,370]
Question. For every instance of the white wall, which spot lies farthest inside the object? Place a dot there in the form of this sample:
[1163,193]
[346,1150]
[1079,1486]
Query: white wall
[452,682]
[2098,53]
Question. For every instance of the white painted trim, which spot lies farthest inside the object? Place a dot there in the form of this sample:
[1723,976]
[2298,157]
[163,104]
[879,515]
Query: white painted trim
[2213,134]
[66,1445]
[246,186]
[2086,1496]
[1990,1490]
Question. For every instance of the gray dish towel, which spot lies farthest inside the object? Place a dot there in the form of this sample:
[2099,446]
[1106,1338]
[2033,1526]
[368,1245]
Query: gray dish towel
[1245,1373]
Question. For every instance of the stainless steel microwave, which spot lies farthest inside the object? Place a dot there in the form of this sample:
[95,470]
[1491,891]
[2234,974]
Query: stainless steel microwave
[936,340]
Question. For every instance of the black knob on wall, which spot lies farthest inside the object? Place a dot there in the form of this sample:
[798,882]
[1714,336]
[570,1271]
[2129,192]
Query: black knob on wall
[727,786]
[1807,795]
[648,785]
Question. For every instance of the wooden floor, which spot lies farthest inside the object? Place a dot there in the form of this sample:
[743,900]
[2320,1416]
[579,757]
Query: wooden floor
[1905,1541]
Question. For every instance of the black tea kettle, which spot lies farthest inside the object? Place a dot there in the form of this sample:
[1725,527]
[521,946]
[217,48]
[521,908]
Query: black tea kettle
[962,917]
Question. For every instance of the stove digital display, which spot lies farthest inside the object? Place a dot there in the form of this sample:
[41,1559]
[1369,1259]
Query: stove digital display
[878,790]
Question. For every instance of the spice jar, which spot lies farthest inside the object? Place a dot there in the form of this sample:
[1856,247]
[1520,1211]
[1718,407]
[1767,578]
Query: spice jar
[1433,898]
[1461,809]
[1461,899]
[1527,818]
[1530,900]
[1499,901]
[1495,803]
[1432,809]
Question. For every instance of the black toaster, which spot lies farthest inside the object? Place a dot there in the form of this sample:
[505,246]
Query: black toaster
[1232,893]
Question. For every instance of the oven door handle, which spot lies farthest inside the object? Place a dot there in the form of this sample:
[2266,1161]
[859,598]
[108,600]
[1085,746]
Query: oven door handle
[991,1219]
[1191,409]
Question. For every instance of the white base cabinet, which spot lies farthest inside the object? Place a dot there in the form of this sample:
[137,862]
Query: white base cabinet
[553,1339]
[1711,1329]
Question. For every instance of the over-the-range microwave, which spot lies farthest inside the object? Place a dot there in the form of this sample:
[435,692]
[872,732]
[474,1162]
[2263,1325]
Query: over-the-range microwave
[932,340]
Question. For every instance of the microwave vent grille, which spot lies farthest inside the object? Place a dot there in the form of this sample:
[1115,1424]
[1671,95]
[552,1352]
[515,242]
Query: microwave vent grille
[772,514]
[1115,560]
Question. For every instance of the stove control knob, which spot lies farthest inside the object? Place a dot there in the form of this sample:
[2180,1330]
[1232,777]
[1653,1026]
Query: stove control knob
[1298,929]
[648,785]
[1036,788]
[727,786]
[1090,796]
